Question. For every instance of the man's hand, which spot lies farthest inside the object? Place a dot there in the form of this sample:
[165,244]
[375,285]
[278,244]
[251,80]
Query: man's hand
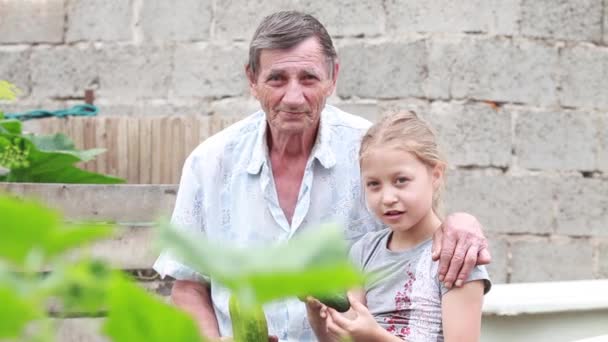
[459,245]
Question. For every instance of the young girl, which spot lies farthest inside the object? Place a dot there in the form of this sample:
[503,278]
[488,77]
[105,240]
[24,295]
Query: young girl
[402,174]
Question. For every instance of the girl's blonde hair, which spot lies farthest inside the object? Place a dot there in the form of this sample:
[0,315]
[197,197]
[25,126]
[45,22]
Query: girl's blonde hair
[405,130]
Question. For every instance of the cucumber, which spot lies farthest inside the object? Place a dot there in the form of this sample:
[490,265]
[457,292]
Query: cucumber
[247,325]
[338,301]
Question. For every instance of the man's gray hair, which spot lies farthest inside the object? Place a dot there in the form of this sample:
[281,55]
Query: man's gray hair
[286,29]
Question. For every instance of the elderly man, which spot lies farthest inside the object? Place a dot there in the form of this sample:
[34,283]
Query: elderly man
[284,170]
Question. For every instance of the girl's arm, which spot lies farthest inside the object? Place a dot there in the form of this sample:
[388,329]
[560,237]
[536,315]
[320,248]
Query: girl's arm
[461,312]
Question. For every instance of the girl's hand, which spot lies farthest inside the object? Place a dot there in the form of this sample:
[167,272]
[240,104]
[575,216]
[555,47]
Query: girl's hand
[361,327]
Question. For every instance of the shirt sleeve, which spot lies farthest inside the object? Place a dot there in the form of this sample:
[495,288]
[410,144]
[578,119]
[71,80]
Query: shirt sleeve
[187,216]
[355,254]
[478,273]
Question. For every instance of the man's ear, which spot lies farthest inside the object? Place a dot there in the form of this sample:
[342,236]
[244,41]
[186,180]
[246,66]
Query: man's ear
[334,78]
[251,80]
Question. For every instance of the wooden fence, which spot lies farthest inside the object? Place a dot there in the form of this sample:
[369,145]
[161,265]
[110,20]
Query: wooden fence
[140,149]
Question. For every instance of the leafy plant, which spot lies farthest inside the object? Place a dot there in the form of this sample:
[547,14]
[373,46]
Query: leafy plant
[42,159]
[34,236]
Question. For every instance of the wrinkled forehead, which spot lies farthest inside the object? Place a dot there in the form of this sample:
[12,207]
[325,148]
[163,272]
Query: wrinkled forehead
[305,56]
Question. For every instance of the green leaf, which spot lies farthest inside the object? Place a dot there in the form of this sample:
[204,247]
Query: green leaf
[15,312]
[30,227]
[8,91]
[10,126]
[62,143]
[313,263]
[58,166]
[82,287]
[136,315]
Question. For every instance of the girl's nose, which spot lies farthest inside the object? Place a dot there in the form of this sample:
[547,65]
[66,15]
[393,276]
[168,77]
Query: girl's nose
[389,197]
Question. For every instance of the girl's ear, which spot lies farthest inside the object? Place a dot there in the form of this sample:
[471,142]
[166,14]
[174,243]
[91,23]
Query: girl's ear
[437,174]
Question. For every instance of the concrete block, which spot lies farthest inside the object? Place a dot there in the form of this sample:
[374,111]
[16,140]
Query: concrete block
[131,72]
[235,107]
[582,207]
[498,269]
[495,68]
[366,110]
[146,203]
[14,68]
[561,141]
[340,18]
[63,71]
[346,17]
[472,134]
[32,21]
[585,76]
[394,69]
[603,259]
[602,124]
[605,25]
[99,20]
[132,248]
[551,260]
[503,204]
[150,108]
[562,19]
[478,16]
[185,20]
[204,71]
[418,106]
[80,329]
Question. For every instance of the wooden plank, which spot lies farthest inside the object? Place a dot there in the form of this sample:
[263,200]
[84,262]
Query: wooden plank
[156,153]
[101,142]
[77,132]
[204,127]
[133,149]
[90,127]
[177,154]
[145,150]
[122,147]
[166,146]
[112,143]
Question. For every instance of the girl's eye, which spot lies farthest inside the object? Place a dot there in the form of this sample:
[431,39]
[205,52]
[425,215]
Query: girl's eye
[402,180]
[372,184]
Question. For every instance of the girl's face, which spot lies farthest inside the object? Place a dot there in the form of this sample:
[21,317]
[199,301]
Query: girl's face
[398,186]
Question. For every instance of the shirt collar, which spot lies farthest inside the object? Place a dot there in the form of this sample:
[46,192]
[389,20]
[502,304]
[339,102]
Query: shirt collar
[321,150]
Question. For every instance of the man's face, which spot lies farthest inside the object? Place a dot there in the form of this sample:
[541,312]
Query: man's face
[292,86]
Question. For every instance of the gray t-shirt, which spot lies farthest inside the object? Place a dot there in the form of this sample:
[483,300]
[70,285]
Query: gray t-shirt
[406,299]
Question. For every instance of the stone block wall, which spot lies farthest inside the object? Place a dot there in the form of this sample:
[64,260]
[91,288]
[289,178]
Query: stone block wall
[517,90]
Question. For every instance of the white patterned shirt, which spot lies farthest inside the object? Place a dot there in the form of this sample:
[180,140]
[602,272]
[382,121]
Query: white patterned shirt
[228,193]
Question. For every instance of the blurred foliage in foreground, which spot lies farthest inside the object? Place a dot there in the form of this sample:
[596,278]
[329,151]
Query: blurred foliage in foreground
[36,238]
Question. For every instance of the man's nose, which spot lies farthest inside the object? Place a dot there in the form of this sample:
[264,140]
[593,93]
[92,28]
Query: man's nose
[294,96]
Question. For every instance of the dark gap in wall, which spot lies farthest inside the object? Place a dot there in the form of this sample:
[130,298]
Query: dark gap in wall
[587,174]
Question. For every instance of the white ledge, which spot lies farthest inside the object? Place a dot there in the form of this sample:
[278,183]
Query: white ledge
[550,297]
